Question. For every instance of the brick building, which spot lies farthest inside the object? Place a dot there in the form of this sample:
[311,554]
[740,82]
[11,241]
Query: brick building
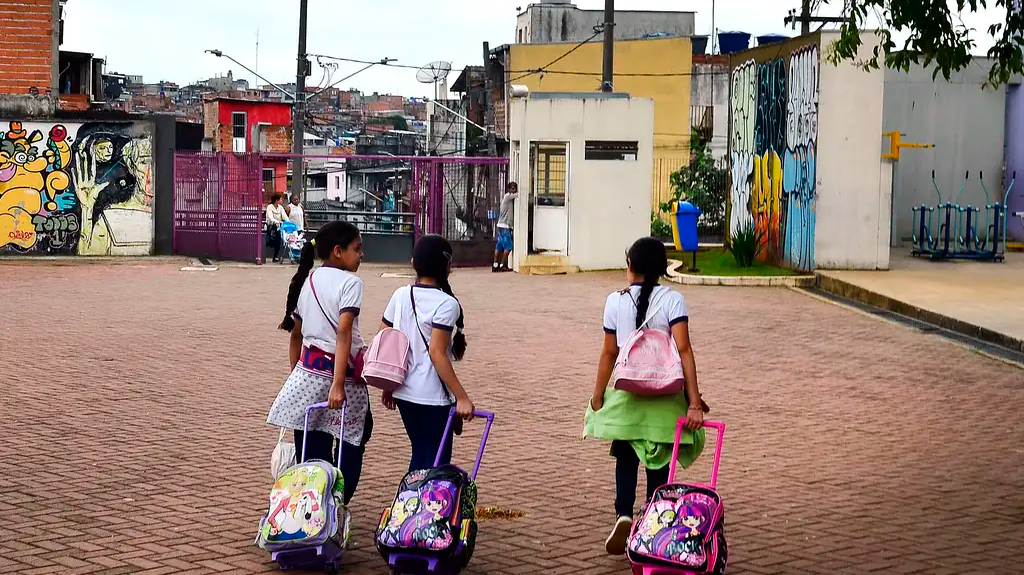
[235,125]
[29,46]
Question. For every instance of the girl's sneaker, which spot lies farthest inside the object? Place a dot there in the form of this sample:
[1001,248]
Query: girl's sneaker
[616,542]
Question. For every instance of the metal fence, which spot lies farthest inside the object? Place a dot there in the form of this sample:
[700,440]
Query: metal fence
[218,210]
[404,197]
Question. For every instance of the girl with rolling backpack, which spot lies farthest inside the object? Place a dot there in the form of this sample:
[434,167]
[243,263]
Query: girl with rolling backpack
[648,360]
[325,352]
[422,328]
[431,525]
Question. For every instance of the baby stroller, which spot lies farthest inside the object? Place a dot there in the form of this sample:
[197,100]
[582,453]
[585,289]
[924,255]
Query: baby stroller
[292,240]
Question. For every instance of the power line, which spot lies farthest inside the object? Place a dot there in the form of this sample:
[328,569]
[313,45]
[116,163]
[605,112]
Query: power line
[560,58]
[544,69]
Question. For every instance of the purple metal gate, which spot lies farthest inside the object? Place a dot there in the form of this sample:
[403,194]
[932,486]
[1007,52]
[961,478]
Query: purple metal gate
[218,205]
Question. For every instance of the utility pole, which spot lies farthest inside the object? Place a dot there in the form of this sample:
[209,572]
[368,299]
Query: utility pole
[299,111]
[805,18]
[608,69]
[492,146]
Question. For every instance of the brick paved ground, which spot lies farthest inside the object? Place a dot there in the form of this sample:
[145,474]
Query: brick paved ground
[135,397]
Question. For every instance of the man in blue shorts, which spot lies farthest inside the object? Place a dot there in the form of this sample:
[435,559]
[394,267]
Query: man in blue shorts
[503,249]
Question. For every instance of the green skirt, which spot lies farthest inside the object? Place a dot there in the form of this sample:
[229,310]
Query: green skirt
[648,423]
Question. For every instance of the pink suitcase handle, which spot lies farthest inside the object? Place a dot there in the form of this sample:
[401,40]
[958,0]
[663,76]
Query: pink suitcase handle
[718,425]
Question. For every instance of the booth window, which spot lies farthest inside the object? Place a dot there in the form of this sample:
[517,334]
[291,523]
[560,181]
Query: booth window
[611,150]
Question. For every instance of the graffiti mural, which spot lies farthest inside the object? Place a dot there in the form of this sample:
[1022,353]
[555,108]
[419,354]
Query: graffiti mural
[774,134]
[744,100]
[83,189]
[798,180]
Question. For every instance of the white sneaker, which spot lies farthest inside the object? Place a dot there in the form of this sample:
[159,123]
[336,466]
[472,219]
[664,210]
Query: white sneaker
[616,542]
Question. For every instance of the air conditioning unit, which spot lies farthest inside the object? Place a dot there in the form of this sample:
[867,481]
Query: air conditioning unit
[238,145]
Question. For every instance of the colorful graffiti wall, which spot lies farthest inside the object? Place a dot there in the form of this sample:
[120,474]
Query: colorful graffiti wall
[76,189]
[774,132]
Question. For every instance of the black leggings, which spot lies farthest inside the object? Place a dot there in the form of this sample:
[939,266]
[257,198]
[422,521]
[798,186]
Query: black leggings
[626,472]
[322,446]
[424,424]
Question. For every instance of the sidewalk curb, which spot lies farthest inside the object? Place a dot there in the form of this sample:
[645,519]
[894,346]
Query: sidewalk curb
[91,260]
[852,291]
[736,281]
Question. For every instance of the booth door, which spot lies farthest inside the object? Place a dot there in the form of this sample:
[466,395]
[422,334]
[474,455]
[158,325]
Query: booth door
[550,187]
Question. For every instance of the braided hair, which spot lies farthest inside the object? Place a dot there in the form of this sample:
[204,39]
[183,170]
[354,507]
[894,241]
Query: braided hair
[432,258]
[647,258]
[327,238]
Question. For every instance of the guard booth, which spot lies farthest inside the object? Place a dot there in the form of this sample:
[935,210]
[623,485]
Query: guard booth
[584,163]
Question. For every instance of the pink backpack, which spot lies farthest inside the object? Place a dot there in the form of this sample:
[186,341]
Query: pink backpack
[386,362]
[648,363]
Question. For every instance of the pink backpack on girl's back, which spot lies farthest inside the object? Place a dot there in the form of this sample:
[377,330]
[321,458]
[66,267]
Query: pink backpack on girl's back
[386,362]
[648,363]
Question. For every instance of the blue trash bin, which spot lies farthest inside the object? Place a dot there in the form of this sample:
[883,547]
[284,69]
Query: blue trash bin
[686,224]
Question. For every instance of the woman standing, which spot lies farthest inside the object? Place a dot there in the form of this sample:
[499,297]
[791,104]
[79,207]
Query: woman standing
[296,214]
[275,216]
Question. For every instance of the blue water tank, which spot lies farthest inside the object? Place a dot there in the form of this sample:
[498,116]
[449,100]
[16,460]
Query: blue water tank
[686,224]
[700,44]
[732,42]
[766,39]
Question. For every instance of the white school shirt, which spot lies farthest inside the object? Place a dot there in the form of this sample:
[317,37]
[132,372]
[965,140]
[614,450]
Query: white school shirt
[434,310]
[668,305]
[339,291]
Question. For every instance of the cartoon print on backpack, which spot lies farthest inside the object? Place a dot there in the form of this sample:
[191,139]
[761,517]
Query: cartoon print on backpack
[406,505]
[674,528]
[430,527]
[295,505]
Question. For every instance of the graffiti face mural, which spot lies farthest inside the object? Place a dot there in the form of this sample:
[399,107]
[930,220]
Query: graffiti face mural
[81,190]
[774,134]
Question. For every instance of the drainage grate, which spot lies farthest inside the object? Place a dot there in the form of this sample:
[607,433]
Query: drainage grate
[924,327]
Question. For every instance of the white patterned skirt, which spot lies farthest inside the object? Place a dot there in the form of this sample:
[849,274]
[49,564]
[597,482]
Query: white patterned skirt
[304,388]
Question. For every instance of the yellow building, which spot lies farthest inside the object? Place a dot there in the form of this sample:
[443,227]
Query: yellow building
[656,68]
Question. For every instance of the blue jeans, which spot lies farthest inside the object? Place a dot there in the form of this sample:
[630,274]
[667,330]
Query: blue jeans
[424,424]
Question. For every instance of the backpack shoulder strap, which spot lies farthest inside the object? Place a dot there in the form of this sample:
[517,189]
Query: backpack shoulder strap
[315,297]
[651,312]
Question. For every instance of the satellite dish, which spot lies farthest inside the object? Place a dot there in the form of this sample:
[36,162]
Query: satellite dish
[435,73]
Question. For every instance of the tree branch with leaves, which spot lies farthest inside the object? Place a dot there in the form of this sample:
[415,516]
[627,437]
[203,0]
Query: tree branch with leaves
[936,36]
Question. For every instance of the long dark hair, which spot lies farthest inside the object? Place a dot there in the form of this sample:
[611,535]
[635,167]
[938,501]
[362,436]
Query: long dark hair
[331,235]
[430,259]
[647,258]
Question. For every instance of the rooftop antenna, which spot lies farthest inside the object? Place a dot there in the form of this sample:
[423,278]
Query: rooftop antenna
[435,73]
[257,66]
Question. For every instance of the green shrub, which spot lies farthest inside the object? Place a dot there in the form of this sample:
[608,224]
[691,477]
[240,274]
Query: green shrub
[659,228]
[745,245]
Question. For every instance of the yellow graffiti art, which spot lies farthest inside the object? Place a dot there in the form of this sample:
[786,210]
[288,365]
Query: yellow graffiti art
[31,180]
[767,199]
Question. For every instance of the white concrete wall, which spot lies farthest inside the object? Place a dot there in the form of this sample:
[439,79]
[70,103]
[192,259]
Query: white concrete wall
[965,122]
[564,22]
[608,201]
[852,210]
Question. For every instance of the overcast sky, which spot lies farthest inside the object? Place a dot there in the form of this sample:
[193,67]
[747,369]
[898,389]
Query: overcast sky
[165,40]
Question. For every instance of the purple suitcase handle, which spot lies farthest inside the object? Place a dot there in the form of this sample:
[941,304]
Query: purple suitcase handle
[483,440]
[305,429]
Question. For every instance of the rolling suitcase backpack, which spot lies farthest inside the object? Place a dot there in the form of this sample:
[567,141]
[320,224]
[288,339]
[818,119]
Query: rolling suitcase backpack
[307,523]
[431,526]
[681,530]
